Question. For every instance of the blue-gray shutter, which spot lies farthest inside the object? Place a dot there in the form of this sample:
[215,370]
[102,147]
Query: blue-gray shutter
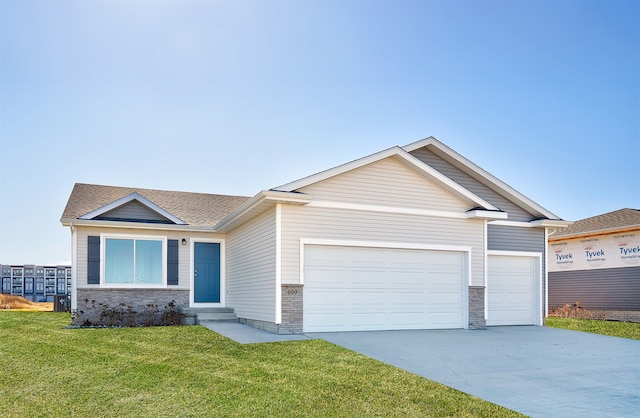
[93,260]
[172,262]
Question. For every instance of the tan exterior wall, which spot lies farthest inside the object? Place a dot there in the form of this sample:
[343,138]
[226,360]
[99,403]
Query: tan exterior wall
[310,223]
[251,268]
[386,182]
[184,261]
[382,185]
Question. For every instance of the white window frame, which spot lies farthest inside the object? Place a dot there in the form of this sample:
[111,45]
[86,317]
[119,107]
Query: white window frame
[103,258]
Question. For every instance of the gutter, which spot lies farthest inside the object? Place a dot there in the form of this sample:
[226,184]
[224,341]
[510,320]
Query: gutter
[551,223]
[256,204]
[135,225]
[486,214]
[259,203]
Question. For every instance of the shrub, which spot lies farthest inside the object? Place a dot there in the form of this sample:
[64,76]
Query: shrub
[571,311]
[105,315]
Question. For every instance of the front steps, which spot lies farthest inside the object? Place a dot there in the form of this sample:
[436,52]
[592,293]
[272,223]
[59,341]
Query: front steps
[194,316]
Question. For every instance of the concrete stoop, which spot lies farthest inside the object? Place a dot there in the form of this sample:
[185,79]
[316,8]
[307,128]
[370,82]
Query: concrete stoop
[195,316]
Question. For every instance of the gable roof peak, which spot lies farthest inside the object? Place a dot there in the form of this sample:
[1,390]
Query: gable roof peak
[480,174]
[421,143]
[135,196]
[185,208]
[402,155]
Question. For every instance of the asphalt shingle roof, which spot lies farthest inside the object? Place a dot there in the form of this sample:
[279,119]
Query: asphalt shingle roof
[612,220]
[194,208]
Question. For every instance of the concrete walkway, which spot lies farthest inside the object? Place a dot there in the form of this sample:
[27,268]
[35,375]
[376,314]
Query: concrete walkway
[245,334]
[538,371]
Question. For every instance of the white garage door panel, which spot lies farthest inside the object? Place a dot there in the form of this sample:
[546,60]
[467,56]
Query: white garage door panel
[511,290]
[358,288]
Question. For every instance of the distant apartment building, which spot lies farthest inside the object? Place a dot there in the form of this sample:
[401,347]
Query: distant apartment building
[36,283]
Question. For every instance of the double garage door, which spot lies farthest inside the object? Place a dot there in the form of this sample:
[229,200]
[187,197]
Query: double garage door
[365,288]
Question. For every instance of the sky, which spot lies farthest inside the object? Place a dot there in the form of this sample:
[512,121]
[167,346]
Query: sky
[234,97]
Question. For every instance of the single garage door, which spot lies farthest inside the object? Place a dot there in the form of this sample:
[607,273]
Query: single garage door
[511,290]
[364,288]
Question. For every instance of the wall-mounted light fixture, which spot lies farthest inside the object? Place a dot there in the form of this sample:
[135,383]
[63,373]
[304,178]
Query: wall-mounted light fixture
[184,241]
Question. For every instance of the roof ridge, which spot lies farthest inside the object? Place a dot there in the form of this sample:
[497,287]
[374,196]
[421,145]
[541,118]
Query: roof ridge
[155,190]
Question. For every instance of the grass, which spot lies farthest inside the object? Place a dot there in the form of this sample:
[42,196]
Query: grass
[616,329]
[48,370]
[18,303]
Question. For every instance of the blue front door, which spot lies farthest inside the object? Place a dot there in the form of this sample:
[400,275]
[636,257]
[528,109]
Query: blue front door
[206,277]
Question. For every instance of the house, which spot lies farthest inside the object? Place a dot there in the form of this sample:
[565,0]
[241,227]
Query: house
[413,237]
[596,262]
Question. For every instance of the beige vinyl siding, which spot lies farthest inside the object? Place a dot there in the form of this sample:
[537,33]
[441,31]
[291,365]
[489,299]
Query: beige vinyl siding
[515,212]
[81,256]
[184,256]
[386,182]
[340,224]
[251,268]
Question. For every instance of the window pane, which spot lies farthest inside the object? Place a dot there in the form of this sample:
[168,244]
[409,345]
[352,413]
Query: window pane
[118,260]
[148,262]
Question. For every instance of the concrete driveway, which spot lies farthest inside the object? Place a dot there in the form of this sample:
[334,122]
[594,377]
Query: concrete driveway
[538,371]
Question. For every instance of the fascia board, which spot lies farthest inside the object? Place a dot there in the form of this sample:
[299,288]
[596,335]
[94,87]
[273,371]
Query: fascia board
[285,197]
[134,225]
[419,144]
[617,230]
[128,198]
[444,181]
[490,180]
[399,153]
[67,221]
[257,204]
[486,214]
[551,223]
[332,172]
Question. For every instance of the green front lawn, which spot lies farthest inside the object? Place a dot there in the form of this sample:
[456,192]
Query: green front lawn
[47,370]
[612,328]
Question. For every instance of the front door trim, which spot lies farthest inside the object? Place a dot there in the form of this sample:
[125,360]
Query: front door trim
[223,276]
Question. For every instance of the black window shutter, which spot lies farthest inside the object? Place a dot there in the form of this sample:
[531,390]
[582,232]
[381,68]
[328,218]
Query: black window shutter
[172,262]
[93,260]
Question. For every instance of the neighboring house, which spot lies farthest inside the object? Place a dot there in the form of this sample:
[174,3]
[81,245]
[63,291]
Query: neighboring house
[413,237]
[596,262]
